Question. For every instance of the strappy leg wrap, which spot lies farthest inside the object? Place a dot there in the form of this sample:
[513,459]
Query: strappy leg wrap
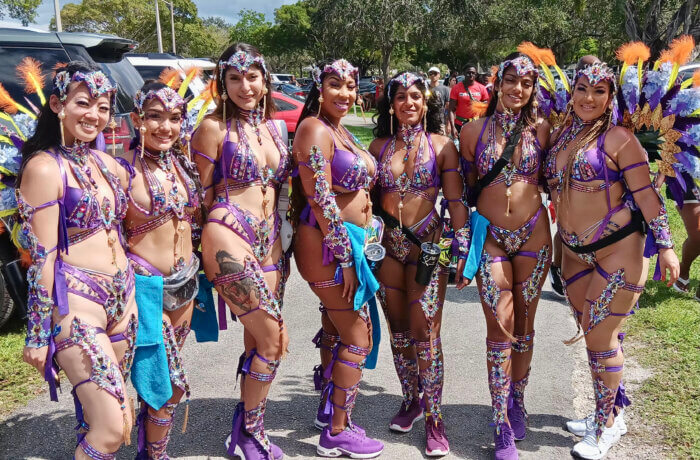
[431,376]
[497,353]
[94,453]
[271,364]
[604,396]
[406,368]
[351,391]
[325,341]
[523,344]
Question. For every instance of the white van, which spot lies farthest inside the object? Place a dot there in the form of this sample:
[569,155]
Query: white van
[150,65]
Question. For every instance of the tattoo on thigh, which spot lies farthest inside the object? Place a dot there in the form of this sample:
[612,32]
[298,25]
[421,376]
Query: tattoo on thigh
[242,293]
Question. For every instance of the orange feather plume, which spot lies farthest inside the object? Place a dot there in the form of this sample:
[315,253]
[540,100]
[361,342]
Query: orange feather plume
[6,102]
[2,224]
[171,77]
[538,55]
[494,73]
[630,53]
[680,50]
[29,71]
[193,71]
[25,258]
[479,108]
[696,79]
[209,90]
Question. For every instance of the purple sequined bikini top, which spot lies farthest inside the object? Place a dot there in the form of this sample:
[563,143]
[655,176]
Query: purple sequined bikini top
[80,208]
[425,173]
[349,169]
[530,154]
[589,165]
[238,164]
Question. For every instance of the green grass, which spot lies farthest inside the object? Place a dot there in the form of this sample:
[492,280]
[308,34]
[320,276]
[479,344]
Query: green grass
[666,336]
[19,382]
[363,134]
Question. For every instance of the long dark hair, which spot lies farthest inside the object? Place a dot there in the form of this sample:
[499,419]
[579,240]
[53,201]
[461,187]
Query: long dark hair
[384,118]
[48,131]
[231,108]
[527,117]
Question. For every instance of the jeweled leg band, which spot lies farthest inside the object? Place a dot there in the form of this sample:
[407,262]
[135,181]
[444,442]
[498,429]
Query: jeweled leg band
[406,368]
[431,376]
[499,379]
[350,392]
[271,364]
[94,453]
[523,343]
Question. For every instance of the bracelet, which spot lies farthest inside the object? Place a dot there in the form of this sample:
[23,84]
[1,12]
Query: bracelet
[347,264]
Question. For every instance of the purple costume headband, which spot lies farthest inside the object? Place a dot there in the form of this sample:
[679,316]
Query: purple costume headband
[340,67]
[523,65]
[406,79]
[595,73]
[242,61]
[170,99]
[96,82]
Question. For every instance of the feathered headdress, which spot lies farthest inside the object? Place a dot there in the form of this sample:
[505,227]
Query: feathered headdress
[553,94]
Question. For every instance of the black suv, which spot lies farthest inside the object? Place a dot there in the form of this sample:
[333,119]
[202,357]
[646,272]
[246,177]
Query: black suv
[50,48]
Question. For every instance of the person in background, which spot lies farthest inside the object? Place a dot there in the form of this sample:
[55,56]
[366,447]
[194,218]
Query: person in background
[294,81]
[442,93]
[462,97]
[689,209]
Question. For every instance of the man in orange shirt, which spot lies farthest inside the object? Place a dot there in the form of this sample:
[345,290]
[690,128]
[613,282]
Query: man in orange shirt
[463,94]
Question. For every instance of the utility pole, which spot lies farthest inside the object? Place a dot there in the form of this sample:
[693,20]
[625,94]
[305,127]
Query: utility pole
[57,8]
[172,24]
[160,38]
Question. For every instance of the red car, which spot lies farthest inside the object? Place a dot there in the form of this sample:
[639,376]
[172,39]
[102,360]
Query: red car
[288,110]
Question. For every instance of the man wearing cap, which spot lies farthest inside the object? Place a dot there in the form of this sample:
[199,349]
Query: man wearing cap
[442,92]
[463,94]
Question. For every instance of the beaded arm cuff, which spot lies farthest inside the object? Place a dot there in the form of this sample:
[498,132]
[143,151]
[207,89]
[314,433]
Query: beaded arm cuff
[336,238]
[463,237]
[660,229]
[39,303]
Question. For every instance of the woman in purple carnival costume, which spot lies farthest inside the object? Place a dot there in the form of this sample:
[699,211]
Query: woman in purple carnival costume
[415,163]
[517,250]
[335,174]
[81,304]
[158,227]
[602,172]
[243,161]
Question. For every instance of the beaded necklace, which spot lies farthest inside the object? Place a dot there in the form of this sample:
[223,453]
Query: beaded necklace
[507,121]
[403,182]
[570,134]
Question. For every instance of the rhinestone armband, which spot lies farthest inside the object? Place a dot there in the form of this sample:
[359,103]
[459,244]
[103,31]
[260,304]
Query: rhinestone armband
[463,237]
[660,229]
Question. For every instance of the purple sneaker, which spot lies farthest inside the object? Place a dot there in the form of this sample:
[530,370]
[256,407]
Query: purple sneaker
[350,442]
[517,422]
[436,444]
[505,443]
[276,452]
[406,416]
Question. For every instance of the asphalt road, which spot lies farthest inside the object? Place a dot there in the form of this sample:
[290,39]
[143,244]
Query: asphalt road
[44,429]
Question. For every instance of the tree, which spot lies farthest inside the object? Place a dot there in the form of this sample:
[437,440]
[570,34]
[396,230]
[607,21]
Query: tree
[22,10]
[658,22]
[251,28]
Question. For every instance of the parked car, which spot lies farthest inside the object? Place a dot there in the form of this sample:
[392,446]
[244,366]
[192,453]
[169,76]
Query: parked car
[150,65]
[290,90]
[281,77]
[688,70]
[288,110]
[51,48]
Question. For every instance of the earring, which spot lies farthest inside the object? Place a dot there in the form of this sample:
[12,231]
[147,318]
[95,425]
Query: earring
[264,102]
[425,119]
[223,102]
[142,132]
[391,118]
[113,127]
[535,106]
[61,116]
[320,101]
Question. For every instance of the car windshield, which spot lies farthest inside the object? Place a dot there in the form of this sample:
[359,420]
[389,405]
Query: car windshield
[11,57]
[128,79]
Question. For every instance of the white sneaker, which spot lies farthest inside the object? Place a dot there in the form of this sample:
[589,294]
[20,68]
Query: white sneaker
[578,427]
[589,449]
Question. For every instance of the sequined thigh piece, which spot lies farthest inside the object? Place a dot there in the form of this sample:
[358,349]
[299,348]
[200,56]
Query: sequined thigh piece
[350,392]
[490,291]
[406,368]
[497,353]
[431,376]
[430,300]
[106,374]
[604,396]
[178,377]
[531,287]
[325,341]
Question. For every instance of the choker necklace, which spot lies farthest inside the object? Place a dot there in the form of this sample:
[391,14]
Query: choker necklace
[408,135]
[255,119]
[507,120]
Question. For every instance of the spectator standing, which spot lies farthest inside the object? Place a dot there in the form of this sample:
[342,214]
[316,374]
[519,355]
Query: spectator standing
[462,97]
[442,93]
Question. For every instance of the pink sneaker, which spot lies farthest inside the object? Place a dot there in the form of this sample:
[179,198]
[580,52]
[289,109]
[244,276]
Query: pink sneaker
[406,416]
[436,444]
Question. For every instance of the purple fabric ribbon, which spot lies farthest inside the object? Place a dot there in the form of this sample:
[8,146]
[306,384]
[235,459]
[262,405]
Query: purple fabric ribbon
[236,428]
[50,373]
[318,381]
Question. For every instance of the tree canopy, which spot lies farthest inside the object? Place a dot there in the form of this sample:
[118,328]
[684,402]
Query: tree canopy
[22,10]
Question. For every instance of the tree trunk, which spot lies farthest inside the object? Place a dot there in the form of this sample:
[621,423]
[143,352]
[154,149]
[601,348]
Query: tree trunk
[386,59]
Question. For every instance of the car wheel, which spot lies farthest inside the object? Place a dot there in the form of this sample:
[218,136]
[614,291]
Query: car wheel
[7,306]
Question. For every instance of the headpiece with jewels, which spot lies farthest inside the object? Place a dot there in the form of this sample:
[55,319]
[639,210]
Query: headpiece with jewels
[341,68]
[406,79]
[167,96]
[96,81]
[242,61]
[523,65]
[597,72]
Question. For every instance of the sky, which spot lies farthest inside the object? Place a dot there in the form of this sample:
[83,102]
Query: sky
[226,9]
